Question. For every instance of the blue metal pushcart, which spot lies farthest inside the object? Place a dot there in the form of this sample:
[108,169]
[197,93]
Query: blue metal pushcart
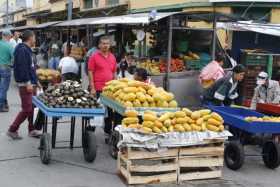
[249,133]
[48,141]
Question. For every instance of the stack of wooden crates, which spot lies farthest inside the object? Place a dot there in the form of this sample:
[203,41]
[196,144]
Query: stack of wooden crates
[142,166]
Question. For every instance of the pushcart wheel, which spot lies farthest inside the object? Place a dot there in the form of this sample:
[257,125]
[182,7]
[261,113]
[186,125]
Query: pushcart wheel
[45,148]
[114,140]
[89,145]
[271,154]
[234,155]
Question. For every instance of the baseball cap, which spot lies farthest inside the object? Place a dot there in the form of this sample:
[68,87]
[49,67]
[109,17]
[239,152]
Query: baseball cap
[6,33]
[262,77]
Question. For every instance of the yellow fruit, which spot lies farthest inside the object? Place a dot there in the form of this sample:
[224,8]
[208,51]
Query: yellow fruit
[221,128]
[206,117]
[187,111]
[133,126]
[156,130]
[129,97]
[179,128]
[171,115]
[167,96]
[173,121]
[158,124]
[173,104]
[146,130]
[157,97]
[203,127]
[128,104]
[151,92]
[180,114]
[149,98]
[124,125]
[130,120]
[204,112]
[150,112]
[217,116]
[212,121]
[142,90]
[164,129]
[152,104]
[195,127]
[134,83]
[212,128]
[117,93]
[149,124]
[149,117]
[199,121]
[145,104]
[187,127]
[195,115]
[182,120]
[141,97]
[167,123]
[164,117]
[131,113]
[164,104]
[170,129]
[130,90]
[137,103]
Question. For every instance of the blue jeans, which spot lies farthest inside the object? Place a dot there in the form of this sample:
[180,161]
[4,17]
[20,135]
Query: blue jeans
[5,79]
[53,63]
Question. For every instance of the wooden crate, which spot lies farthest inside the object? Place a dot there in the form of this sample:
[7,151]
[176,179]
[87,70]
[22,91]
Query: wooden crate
[201,162]
[139,166]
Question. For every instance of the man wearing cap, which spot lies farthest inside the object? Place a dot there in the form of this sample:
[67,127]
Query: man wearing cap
[267,91]
[6,51]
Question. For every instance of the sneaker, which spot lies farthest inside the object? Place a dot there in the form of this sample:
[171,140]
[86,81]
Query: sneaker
[14,135]
[34,134]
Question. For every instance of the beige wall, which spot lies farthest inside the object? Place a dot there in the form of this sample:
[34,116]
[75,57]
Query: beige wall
[275,15]
[19,16]
[101,3]
[61,5]
[138,4]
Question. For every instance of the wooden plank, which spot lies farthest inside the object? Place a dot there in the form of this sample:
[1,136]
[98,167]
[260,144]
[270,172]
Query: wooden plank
[139,154]
[124,172]
[200,162]
[153,168]
[170,177]
[202,151]
[199,175]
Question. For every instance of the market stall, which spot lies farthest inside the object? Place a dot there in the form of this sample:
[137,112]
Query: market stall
[67,100]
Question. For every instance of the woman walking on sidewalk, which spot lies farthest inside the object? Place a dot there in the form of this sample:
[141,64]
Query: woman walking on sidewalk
[25,76]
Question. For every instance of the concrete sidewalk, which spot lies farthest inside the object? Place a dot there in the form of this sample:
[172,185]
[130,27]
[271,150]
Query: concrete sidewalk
[20,164]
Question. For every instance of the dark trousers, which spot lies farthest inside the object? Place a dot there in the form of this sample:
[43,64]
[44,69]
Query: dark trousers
[70,76]
[26,110]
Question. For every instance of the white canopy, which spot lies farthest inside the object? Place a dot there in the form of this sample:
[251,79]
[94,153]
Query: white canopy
[271,29]
[142,18]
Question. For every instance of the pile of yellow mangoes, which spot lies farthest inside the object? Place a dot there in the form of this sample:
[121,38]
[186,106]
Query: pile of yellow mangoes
[47,74]
[263,119]
[151,66]
[184,120]
[131,93]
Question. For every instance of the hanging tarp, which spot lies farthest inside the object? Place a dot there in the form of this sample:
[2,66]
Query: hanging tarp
[142,18]
[270,29]
[45,25]
[76,22]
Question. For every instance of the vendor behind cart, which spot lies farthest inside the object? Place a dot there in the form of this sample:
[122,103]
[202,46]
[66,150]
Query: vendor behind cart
[224,91]
[267,91]
[213,71]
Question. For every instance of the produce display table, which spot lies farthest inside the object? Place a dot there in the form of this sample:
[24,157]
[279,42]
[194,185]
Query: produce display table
[249,133]
[117,107]
[48,141]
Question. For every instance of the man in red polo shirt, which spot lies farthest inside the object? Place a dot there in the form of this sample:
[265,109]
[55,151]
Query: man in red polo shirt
[102,66]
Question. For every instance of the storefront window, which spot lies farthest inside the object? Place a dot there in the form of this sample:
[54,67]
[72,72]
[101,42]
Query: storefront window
[112,2]
[88,4]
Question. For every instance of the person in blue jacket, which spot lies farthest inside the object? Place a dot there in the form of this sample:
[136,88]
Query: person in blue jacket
[26,79]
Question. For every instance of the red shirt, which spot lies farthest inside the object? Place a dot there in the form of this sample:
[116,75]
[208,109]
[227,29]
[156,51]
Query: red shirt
[103,69]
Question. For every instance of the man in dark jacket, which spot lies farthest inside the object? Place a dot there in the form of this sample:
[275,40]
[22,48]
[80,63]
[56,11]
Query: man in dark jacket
[224,91]
[25,76]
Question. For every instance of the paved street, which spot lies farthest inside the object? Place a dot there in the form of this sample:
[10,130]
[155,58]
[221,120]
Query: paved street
[20,163]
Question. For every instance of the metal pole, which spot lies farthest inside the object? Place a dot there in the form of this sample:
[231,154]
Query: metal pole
[214,34]
[169,51]
[69,17]
[7,13]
